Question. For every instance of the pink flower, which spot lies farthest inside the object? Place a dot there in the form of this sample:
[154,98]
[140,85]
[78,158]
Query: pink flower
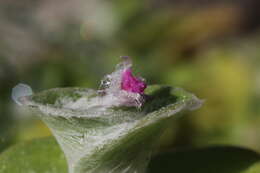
[121,88]
[132,84]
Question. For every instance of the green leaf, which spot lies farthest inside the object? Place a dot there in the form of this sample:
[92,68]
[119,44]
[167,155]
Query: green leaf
[39,156]
[43,155]
[117,139]
[255,168]
[207,160]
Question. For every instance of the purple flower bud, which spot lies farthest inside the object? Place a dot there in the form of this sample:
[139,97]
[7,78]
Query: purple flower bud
[121,88]
[132,84]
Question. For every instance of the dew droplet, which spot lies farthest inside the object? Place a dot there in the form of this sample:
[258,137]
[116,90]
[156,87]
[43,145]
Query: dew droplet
[19,91]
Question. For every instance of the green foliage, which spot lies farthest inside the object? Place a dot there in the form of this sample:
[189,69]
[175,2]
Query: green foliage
[40,155]
[43,155]
[206,160]
[255,168]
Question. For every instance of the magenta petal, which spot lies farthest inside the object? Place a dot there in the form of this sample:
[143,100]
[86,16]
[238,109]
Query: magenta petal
[131,83]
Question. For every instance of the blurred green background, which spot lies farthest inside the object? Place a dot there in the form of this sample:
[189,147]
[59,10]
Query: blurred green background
[210,48]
